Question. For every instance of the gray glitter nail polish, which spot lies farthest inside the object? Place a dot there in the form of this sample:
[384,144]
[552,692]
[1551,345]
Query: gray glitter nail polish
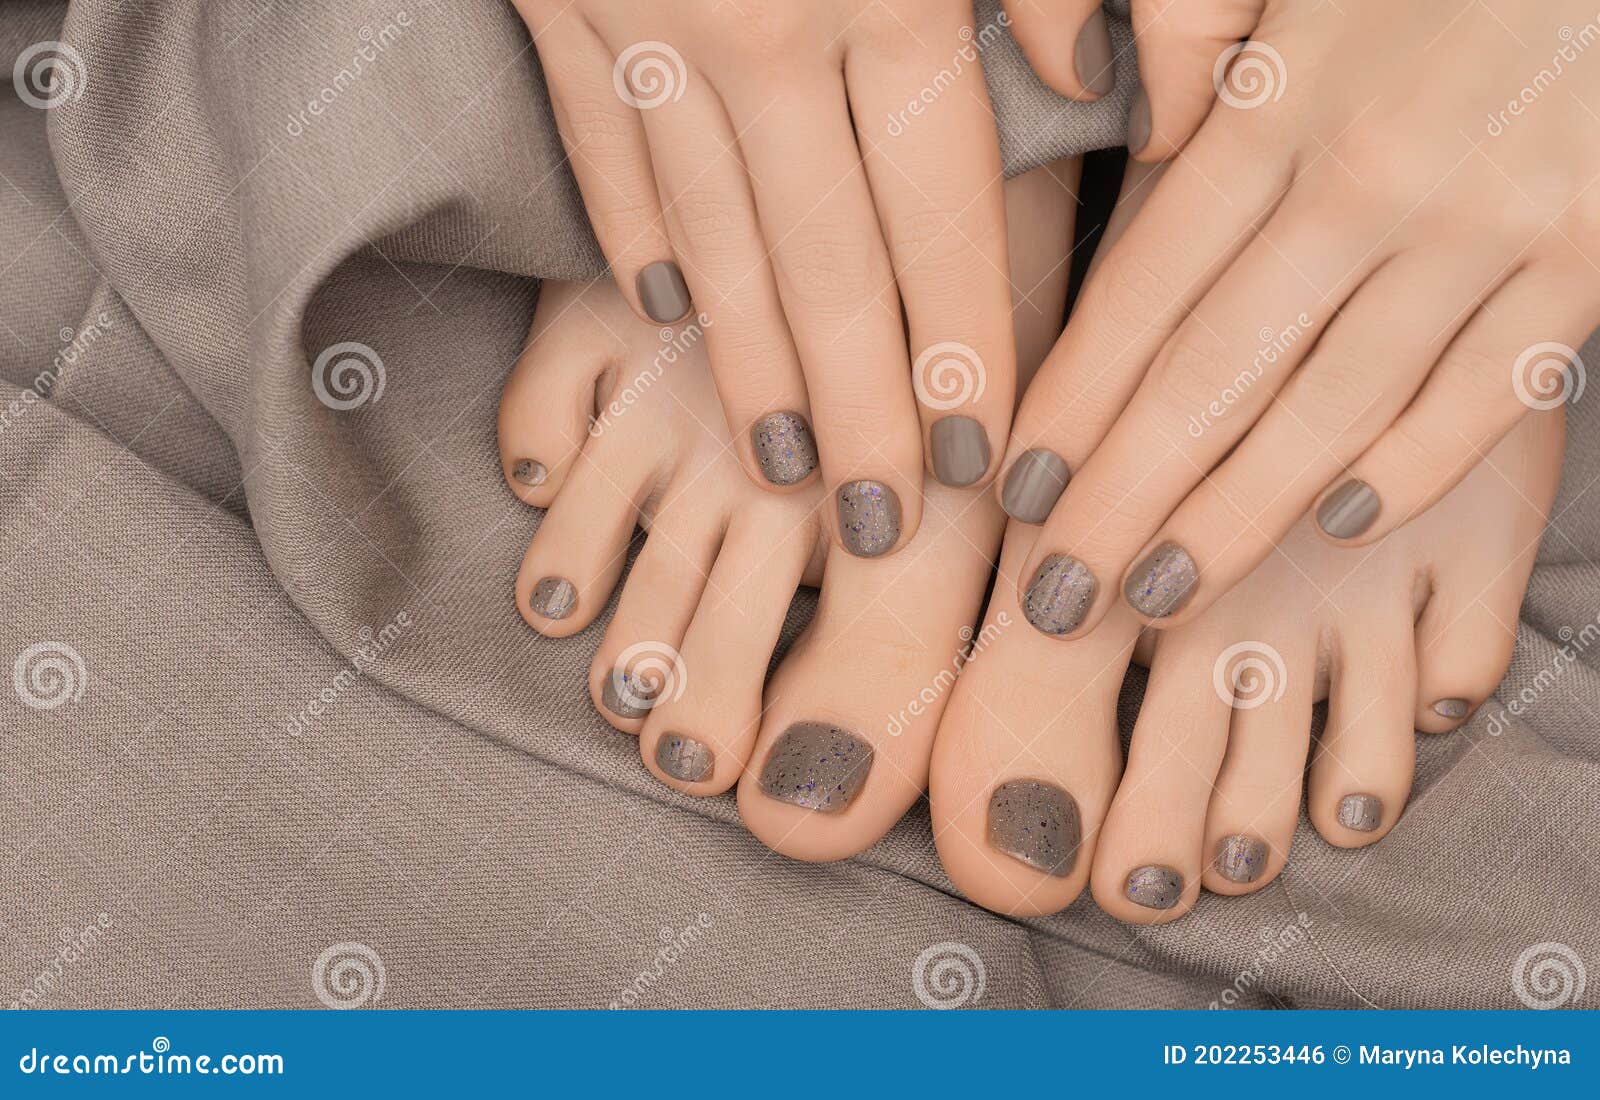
[960,450]
[1139,121]
[1092,55]
[1241,858]
[628,696]
[1033,486]
[529,472]
[785,448]
[1348,510]
[1060,595]
[817,766]
[869,518]
[1452,708]
[1361,812]
[683,757]
[554,598]
[1037,823]
[1163,582]
[662,292]
[1155,887]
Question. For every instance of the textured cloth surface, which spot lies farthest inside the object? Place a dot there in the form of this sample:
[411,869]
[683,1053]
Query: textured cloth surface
[284,711]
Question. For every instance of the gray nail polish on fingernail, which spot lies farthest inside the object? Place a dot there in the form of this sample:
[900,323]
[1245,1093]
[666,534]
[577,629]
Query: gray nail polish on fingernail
[1037,823]
[1452,708]
[1361,812]
[554,598]
[869,518]
[628,696]
[960,449]
[784,447]
[683,757]
[529,472]
[1060,595]
[1092,55]
[1138,121]
[662,292]
[1155,887]
[817,766]
[1033,486]
[1163,582]
[1241,858]
[1348,510]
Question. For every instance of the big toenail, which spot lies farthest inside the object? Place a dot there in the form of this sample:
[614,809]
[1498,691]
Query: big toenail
[1163,582]
[683,757]
[869,518]
[1037,823]
[818,766]
[1033,486]
[529,472]
[1348,510]
[554,598]
[628,696]
[662,292]
[1092,57]
[1155,887]
[1452,708]
[784,447]
[1361,812]
[1060,595]
[1241,858]
[960,450]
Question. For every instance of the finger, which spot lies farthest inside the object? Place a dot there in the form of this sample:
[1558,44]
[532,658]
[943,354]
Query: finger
[1067,42]
[1183,56]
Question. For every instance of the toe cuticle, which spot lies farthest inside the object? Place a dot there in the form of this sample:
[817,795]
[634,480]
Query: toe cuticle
[869,518]
[817,766]
[662,292]
[1163,583]
[683,758]
[1034,484]
[1155,887]
[1241,858]
[528,472]
[628,696]
[1037,823]
[1349,510]
[1060,595]
[1361,812]
[960,450]
[785,448]
[1452,708]
[554,598]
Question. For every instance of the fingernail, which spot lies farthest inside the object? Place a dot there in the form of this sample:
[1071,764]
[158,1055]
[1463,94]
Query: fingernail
[1033,486]
[1060,595]
[1361,812]
[960,450]
[1092,57]
[1138,121]
[662,292]
[1348,510]
[628,696]
[529,472]
[1155,887]
[683,757]
[554,598]
[1452,708]
[1036,823]
[1241,858]
[817,766]
[1163,582]
[869,518]
[785,448]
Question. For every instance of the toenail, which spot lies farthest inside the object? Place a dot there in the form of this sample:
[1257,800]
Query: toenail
[683,757]
[817,766]
[628,696]
[1060,595]
[869,518]
[1241,858]
[1033,486]
[1037,823]
[1361,812]
[1138,121]
[554,598]
[1092,56]
[1155,887]
[529,472]
[785,448]
[1452,708]
[960,450]
[1348,510]
[1163,582]
[662,292]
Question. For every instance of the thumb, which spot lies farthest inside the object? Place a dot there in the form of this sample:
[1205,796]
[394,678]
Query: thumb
[1067,42]
[1180,46]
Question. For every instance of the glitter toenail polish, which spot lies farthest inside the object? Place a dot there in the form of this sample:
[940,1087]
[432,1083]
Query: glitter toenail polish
[1163,582]
[869,518]
[554,598]
[1452,708]
[1037,823]
[1060,595]
[683,757]
[785,448]
[628,696]
[1241,858]
[1348,510]
[960,450]
[662,292]
[1155,887]
[1033,486]
[1092,55]
[529,472]
[817,766]
[1361,812]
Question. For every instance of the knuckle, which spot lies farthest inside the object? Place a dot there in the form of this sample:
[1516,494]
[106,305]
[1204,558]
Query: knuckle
[713,225]
[931,237]
[1134,293]
[1336,396]
[1192,372]
[830,268]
